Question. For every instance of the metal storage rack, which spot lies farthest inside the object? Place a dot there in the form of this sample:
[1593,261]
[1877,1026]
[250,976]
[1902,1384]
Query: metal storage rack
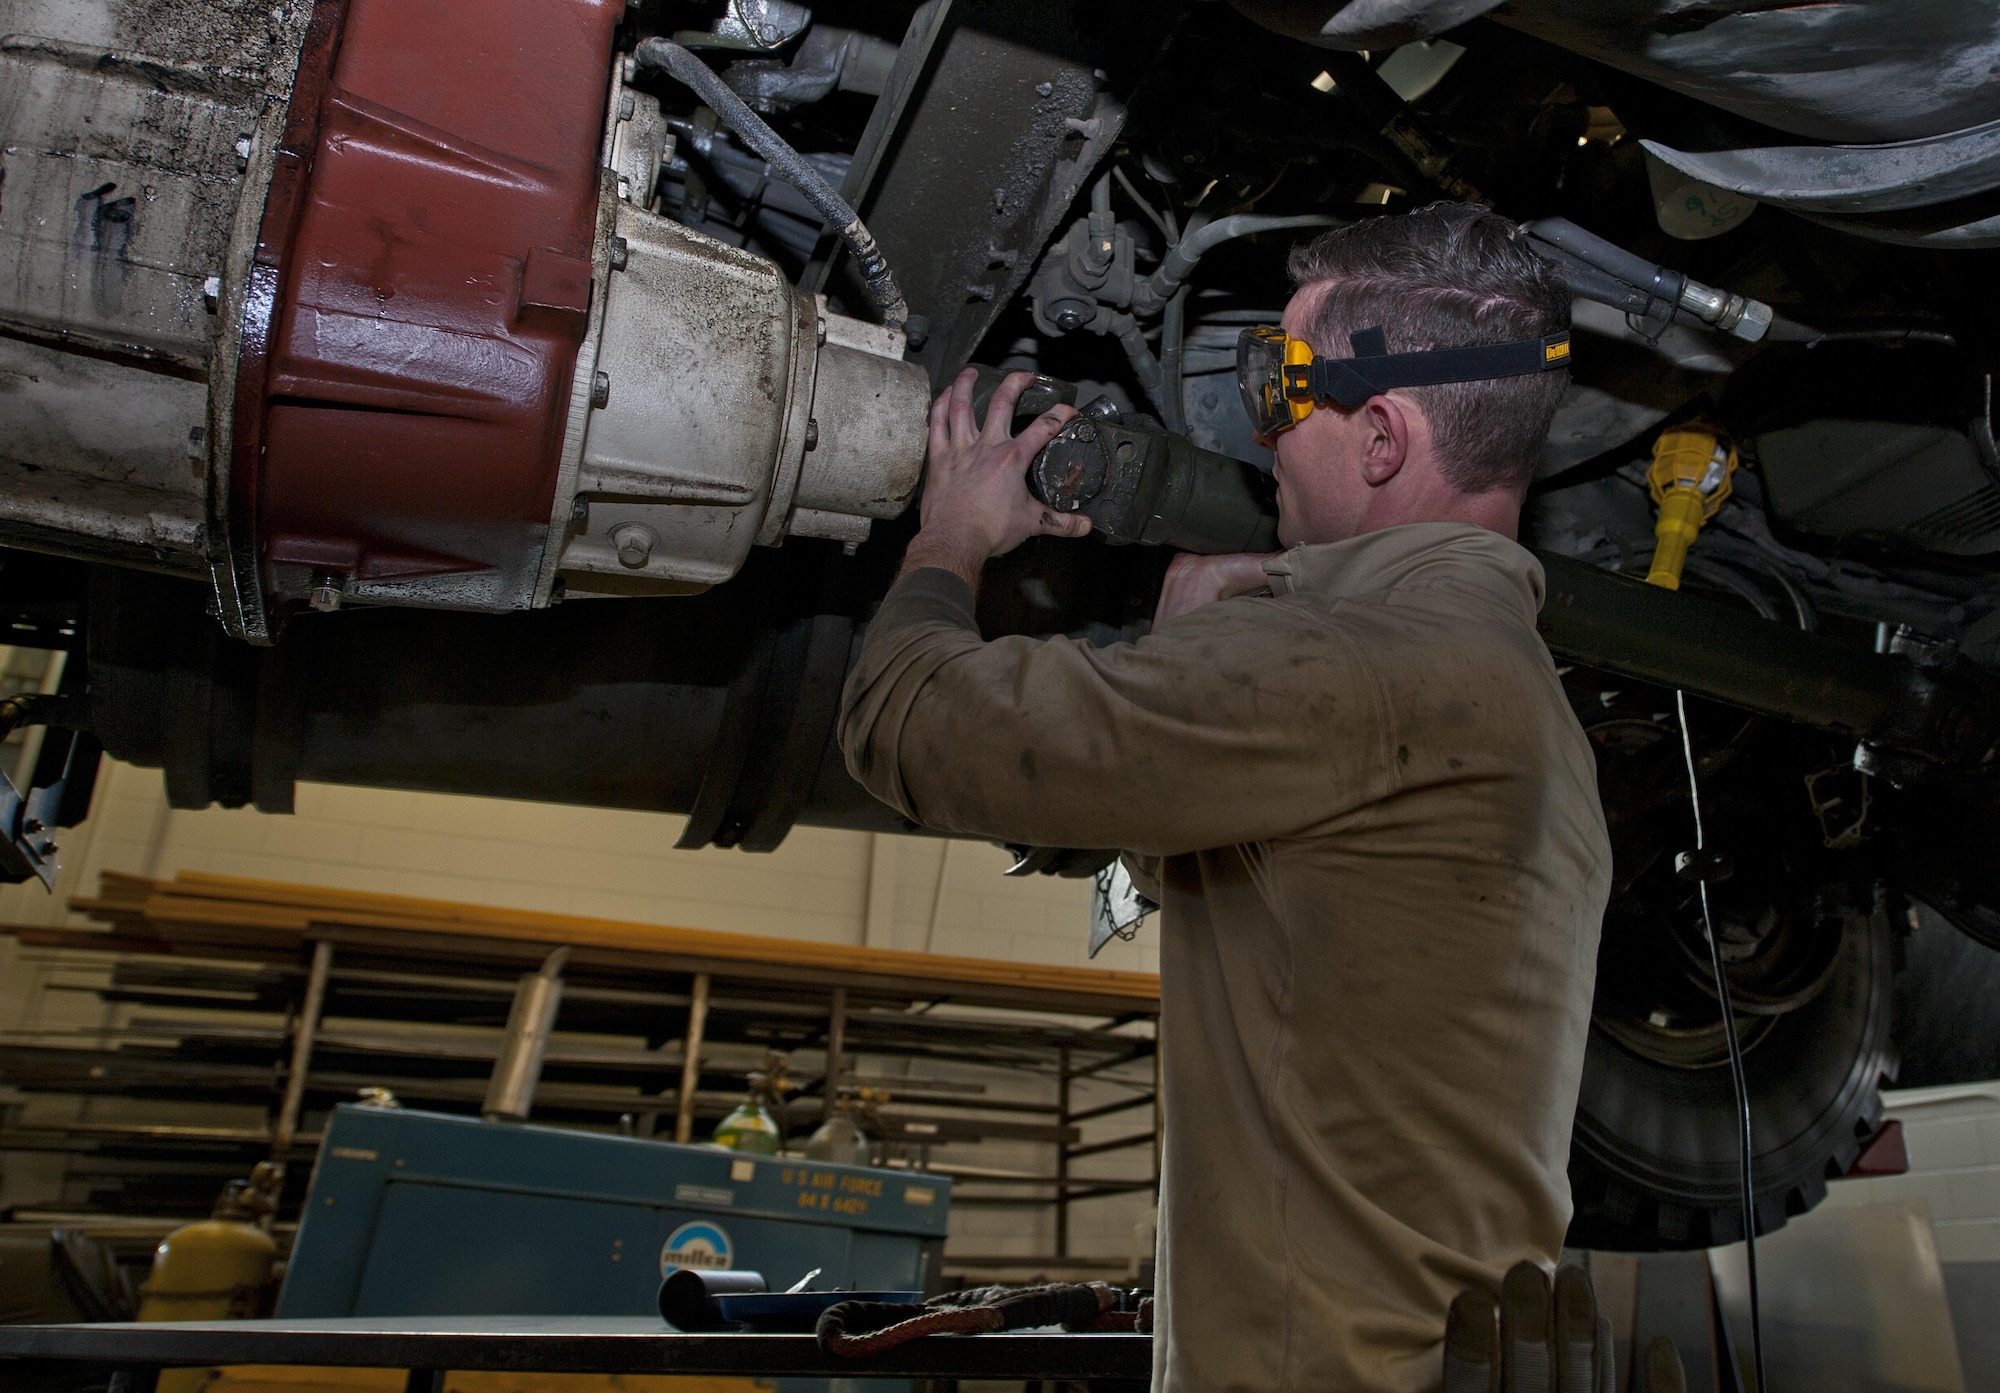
[284,1000]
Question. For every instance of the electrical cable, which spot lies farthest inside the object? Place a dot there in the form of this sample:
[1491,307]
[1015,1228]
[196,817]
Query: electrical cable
[1738,1081]
[1791,331]
[663,55]
[1732,580]
[1808,617]
[1759,559]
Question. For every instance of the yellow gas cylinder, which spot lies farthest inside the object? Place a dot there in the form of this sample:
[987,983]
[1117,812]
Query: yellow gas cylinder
[216,1269]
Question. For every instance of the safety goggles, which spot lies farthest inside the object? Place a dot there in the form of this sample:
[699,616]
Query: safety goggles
[1282,379]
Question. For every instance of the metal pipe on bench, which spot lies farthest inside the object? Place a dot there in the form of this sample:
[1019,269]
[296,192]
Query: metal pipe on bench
[510,1093]
[691,1059]
[836,1046]
[302,1050]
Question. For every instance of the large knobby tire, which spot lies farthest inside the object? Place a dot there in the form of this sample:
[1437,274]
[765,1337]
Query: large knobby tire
[1653,1161]
[1947,1004]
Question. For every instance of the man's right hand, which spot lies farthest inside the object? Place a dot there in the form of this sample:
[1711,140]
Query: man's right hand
[1194,581]
[1544,1337]
[976,503]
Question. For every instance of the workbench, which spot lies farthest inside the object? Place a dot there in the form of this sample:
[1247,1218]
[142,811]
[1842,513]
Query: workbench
[428,1346]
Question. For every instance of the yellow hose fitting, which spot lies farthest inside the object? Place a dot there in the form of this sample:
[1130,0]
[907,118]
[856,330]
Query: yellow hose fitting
[1690,477]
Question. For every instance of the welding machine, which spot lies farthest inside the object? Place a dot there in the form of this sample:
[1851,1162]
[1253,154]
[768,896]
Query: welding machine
[418,1214]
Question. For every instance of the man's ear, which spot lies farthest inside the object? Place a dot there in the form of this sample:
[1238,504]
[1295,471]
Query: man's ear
[1386,424]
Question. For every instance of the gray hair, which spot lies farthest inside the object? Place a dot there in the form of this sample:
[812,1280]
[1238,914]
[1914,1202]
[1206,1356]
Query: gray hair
[1450,275]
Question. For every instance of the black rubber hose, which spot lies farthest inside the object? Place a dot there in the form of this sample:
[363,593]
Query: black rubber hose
[663,55]
[1593,282]
[1152,294]
[1656,284]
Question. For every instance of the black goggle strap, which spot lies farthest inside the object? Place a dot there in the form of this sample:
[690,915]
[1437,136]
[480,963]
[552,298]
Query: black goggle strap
[1373,370]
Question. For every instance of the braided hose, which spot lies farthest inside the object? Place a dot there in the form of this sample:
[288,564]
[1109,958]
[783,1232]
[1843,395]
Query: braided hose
[854,1329]
[663,55]
[965,1320]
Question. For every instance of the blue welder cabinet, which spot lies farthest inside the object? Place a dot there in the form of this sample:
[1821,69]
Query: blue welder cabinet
[414,1213]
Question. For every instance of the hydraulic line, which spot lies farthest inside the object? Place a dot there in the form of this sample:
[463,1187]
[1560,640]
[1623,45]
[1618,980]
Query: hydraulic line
[1178,264]
[1145,366]
[1165,292]
[1173,340]
[663,55]
[1602,271]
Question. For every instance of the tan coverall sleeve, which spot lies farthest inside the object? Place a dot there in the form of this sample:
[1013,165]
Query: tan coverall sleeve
[1228,725]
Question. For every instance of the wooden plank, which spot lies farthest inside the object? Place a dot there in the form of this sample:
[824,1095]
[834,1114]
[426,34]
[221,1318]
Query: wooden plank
[893,987]
[197,912]
[232,900]
[118,887]
[87,940]
[192,940]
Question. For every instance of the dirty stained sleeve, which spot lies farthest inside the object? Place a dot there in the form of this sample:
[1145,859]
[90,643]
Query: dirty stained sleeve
[1245,721]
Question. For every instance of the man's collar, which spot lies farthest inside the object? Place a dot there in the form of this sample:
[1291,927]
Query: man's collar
[1381,559]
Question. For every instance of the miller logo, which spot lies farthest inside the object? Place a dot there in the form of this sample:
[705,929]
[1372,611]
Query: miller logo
[700,1245]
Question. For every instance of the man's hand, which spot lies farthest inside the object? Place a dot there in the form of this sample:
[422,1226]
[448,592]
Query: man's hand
[1194,581]
[1544,1337]
[976,501]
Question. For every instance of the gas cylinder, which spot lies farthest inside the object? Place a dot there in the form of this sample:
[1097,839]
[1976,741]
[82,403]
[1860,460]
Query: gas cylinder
[216,1269]
[754,1126]
[750,1128]
[838,1139]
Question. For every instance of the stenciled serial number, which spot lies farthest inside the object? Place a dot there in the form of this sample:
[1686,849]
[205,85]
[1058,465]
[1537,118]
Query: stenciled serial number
[830,1190]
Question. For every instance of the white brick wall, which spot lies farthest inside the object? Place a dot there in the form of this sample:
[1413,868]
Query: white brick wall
[1954,1139]
[830,886]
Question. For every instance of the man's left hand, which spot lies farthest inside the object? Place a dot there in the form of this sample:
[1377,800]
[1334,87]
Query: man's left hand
[976,502]
[1193,581]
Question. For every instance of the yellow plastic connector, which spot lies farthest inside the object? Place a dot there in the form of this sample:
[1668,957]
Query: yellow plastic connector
[1690,476]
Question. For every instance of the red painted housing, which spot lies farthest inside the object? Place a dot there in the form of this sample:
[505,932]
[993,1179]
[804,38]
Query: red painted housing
[430,298]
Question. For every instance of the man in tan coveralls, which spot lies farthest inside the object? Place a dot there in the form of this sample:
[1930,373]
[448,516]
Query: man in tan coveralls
[1348,774]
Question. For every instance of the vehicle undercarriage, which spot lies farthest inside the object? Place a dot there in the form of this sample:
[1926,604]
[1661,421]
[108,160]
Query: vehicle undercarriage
[361,426]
